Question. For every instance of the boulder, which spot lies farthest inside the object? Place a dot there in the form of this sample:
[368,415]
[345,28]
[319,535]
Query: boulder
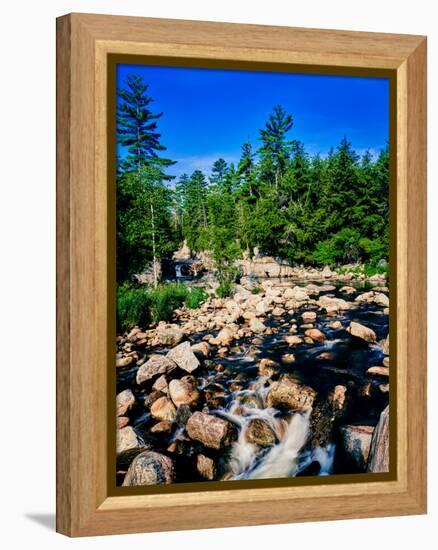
[362,332]
[164,426]
[262,307]
[201,350]
[160,384]
[379,451]
[183,413]
[335,325]
[184,391]
[267,367]
[206,467]
[315,334]
[347,290]
[293,340]
[309,316]
[128,445]
[333,305]
[210,430]
[163,409]
[278,311]
[288,358]
[168,335]
[150,468]
[184,357]
[260,433]
[379,371]
[124,361]
[122,421]
[385,345]
[356,442]
[154,367]
[287,393]
[124,402]
[327,272]
[257,326]
[381,299]
[224,338]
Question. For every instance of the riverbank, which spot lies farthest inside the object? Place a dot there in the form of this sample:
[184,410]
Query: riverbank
[284,378]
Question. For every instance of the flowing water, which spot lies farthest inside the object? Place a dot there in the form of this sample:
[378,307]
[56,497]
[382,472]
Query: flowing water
[239,395]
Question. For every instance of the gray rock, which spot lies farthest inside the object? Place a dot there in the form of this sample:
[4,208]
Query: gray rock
[124,402]
[150,468]
[210,430]
[379,452]
[154,367]
[184,357]
[260,433]
[287,393]
[356,441]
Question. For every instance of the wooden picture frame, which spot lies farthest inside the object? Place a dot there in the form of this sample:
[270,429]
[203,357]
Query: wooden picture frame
[85,257]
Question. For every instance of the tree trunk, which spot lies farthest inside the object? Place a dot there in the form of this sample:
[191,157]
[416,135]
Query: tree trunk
[153,247]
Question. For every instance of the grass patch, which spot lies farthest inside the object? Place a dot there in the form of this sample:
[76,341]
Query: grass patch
[143,305]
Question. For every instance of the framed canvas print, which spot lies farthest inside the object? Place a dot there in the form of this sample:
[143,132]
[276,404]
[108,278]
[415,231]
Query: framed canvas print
[241,274]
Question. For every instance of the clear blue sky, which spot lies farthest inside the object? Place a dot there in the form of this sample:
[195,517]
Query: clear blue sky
[210,113]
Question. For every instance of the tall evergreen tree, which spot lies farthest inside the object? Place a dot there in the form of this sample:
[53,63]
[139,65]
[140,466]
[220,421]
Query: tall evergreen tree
[137,128]
[275,149]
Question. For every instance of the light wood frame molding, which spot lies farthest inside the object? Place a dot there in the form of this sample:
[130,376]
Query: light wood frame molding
[83,45]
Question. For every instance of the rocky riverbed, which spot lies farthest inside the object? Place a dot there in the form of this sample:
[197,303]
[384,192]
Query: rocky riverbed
[286,378]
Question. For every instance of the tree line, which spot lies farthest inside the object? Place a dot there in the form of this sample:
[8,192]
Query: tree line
[302,208]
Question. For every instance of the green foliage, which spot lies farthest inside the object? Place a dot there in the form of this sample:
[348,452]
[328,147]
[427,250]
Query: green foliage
[143,305]
[256,290]
[288,204]
[132,307]
[224,289]
[195,297]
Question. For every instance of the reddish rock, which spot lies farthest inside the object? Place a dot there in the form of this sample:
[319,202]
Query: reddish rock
[210,430]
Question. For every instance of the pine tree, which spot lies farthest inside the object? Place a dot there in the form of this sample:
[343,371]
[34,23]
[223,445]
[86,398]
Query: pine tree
[275,149]
[137,128]
[218,171]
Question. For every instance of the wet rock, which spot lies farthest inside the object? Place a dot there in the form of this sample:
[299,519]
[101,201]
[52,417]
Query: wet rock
[362,332]
[347,290]
[335,325]
[128,445]
[124,402]
[163,409]
[309,317]
[150,468]
[165,426]
[151,397]
[257,326]
[356,442]
[267,367]
[385,345]
[154,367]
[224,338]
[288,358]
[293,340]
[183,413]
[122,421]
[333,305]
[251,401]
[184,357]
[184,391]
[379,452]
[384,388]
[201,350]
[287,393]
[210,430]
[168,335]
[206,467]
[124,361]
[385,362]
[262,307]
[260,433]
[315,334]
[278,311]
[327,272]
[379,371]
[161,384]
[326,356]
[381,299]
[132,335]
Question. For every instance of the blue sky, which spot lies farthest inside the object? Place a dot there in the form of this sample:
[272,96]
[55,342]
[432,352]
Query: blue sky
[210,113]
